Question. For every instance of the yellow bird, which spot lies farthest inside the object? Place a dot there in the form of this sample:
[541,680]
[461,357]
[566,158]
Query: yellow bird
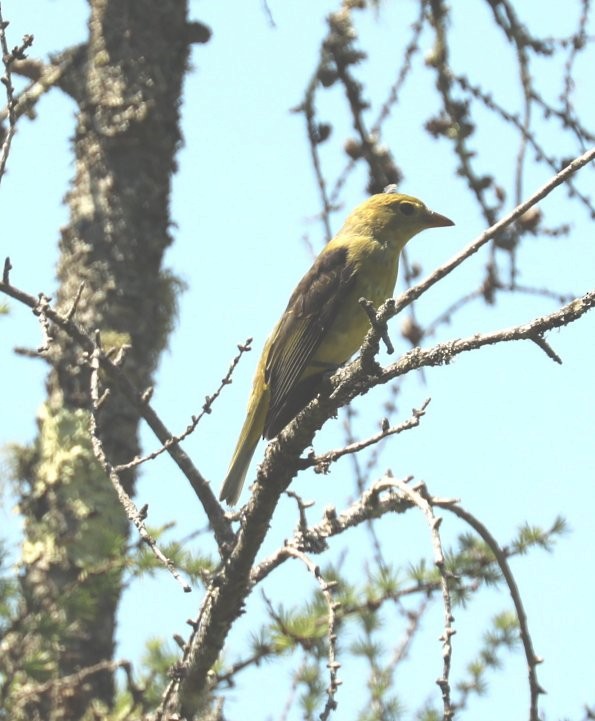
[324,324]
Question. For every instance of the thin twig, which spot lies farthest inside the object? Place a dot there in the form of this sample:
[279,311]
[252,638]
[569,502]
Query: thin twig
[368,506]
[418,497]
[217,519]
[136,516]
[302,508]
[72,681]
[69,315]
[413,293]
[391,100]
[375,322]
[352,380]
[532,659]
[361,478]
[191,427]
[8,58]
[322,462]
[415,617]
[326,587]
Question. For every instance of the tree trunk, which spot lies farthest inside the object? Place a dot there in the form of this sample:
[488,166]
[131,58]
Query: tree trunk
[127,86]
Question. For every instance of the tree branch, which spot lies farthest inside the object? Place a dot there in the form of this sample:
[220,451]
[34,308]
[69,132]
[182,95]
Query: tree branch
[419,497]
[9,57]
[134,515]
[322,462]
[352,380]
[217,519]
[532,659]
[326,588]
[414,292]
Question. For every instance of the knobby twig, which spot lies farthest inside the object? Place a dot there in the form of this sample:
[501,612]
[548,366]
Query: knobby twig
[75,680]
[377,323]
[191,427]
[220,524]
[326,588]
[532,659]
[8,58]
[442,354]
[419,497]
[136,516]
[375,133]
[302,508]
[322,462]
[414,292]
[370,505]
[45,76]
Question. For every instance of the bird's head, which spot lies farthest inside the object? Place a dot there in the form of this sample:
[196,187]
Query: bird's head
[391,215]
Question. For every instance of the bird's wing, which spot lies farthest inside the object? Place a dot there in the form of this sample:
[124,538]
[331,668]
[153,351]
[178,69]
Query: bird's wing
[310,313]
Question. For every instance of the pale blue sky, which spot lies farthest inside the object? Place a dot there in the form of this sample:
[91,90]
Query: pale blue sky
[508,432]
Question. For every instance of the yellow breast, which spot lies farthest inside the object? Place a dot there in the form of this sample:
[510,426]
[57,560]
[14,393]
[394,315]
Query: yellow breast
[376,274]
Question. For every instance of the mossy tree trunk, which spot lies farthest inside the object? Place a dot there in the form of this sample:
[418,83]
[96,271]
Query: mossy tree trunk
[127,83]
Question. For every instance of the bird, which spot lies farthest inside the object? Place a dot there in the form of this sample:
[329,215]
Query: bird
[324,324]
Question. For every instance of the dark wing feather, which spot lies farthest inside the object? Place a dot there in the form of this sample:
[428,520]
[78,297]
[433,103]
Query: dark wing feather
[310,312]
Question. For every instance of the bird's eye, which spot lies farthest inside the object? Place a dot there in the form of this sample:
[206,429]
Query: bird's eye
[407,208]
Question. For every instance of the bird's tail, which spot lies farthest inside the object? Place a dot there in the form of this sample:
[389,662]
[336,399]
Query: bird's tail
[249,437]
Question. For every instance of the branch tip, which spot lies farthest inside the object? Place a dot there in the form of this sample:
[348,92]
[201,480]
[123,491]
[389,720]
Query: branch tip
[379,325]
[6,271]
[72,310]
[540,341]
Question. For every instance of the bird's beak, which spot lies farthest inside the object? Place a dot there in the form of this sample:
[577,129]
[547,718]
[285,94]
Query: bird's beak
[435,220]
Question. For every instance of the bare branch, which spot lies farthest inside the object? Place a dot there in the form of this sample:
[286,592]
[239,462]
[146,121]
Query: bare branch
[302,508]
[321,463]
[532,659]
[136,516]
[375,322]
[413,293]
[540,341]
[9,57]
[333,665]
[69,315]
[354,381]
[369,505]
[419,497]
[191,427]
[217,519]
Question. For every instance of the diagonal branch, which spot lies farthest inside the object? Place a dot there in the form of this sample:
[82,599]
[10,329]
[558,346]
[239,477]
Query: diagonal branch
[45,77]
[418,496]
[326,588]
[322,462]
[136,516]
[532,659]
[413,293]
[9,57]
[191,427]
[354,381]
[217,519]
